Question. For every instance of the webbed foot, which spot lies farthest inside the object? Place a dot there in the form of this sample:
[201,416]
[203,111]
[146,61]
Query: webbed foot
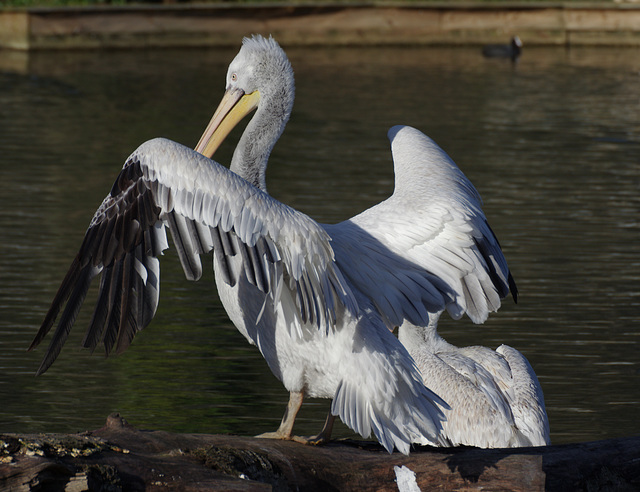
[274,435]
[311,440]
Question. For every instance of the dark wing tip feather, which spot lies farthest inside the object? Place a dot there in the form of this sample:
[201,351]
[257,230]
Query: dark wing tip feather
[69,315]
[117,234]
[96,326]
[64,291]
[184,242]
[513,288]
[489,251]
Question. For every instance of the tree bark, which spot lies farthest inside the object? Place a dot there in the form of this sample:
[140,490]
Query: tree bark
[120,457]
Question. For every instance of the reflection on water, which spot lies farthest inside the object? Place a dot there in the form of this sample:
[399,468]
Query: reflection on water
[551,143]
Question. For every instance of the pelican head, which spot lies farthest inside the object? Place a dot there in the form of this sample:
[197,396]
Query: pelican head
[260,76]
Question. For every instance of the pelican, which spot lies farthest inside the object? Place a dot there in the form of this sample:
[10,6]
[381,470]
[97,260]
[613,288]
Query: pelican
[319,301]
[495,398]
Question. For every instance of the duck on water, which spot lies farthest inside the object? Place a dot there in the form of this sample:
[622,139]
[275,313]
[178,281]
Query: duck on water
[511,50]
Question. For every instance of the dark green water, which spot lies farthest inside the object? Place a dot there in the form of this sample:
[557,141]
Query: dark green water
[552,144]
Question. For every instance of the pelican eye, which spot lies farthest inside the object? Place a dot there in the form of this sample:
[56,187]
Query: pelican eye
[234,77]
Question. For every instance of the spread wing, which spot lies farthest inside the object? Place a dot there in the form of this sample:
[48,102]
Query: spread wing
[205,206]
[429,246]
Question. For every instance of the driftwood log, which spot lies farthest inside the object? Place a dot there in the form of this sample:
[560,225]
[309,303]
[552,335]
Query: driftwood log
[120,457]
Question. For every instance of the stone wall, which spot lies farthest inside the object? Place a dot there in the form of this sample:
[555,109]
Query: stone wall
[323,24]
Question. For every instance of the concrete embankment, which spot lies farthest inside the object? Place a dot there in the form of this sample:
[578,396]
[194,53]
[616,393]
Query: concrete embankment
[322,24]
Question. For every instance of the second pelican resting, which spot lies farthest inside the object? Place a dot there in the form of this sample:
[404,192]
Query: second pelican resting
[317,300]
[495,398]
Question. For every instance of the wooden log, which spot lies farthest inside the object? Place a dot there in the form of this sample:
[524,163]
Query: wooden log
[120,457]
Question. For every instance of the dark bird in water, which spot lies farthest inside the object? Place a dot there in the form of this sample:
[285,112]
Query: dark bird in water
[511,50]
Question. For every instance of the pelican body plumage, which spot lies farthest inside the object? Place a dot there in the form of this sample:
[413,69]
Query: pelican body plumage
[319,301]
[494,396]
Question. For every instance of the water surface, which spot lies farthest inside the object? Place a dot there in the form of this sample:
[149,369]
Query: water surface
[552,144]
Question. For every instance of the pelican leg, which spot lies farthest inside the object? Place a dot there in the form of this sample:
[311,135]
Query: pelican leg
[324,436]
[286,426]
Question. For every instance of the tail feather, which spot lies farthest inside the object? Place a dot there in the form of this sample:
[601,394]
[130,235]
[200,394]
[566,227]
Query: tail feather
[384,393]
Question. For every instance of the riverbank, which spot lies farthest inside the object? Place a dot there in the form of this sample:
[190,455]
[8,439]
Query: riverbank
[182,25]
